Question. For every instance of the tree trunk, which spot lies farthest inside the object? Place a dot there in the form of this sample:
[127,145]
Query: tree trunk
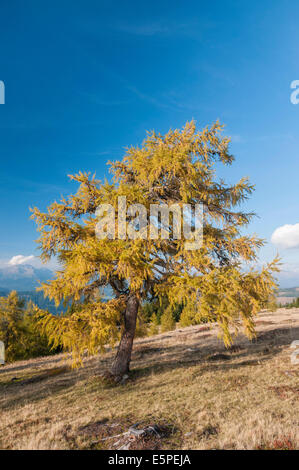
[122,359]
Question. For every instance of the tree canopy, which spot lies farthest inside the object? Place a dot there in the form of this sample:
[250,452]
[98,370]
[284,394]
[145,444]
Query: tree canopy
[212,281]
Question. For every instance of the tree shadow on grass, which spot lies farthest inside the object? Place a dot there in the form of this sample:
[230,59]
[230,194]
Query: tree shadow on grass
[153,360]
[33,363]
[36,386]
[265,346]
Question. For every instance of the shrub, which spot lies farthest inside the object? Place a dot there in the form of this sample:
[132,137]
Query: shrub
[154,325]
[167,320]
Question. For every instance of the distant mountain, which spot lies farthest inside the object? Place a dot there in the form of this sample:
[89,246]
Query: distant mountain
[287,295]
[23,277]
[289,292]
[38,299]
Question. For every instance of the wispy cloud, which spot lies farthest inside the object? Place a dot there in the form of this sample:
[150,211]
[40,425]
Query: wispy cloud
[192,28]
[99,100]
[148,98]
[30,186]
[237,139]
[154,28]
[289,275]
[221,74]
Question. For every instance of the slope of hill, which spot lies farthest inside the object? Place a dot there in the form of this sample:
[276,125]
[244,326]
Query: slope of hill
[287,295]
[289,292]
[200,395]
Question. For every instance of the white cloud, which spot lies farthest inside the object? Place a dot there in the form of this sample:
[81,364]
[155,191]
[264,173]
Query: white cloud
[286,236]
[20,259]
[236,138]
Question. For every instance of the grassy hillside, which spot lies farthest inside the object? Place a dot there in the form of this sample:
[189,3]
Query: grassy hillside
[199,395]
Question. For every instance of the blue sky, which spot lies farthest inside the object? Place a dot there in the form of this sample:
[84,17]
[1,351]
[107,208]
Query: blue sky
[85,79]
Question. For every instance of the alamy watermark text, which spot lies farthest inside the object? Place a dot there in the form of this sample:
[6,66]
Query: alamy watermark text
[2,92]
[135,223]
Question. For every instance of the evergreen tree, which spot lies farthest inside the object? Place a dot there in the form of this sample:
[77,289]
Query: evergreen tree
[175,168]
[11,328]
[34,342]
[189,315]
[154,325]
[19,329]
[141,325]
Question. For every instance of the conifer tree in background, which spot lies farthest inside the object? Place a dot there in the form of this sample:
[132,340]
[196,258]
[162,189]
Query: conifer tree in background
[19,330]
[178,167]
[167,320]
[141,325]
[154,325]
[11,332]
[188,315]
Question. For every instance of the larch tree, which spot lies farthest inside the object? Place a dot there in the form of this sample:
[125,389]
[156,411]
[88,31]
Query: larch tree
[11,331]
[173,169]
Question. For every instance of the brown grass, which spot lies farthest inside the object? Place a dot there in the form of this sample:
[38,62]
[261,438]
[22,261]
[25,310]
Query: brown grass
[203,395]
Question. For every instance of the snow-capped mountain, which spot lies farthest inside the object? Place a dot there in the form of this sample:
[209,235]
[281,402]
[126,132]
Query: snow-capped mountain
[23,277]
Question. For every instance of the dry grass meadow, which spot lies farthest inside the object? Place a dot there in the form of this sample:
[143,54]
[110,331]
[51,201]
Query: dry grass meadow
[200,395]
